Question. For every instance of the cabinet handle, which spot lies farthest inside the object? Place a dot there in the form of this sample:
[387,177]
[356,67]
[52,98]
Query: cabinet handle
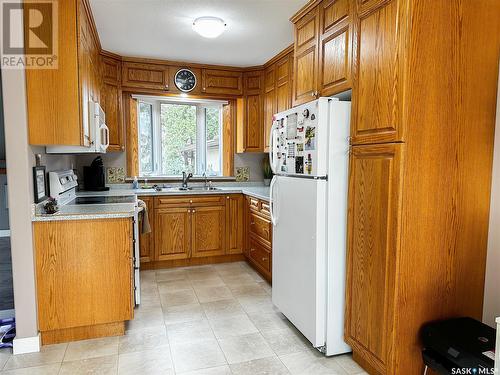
[264,259]
[252,223]
[252,249]
[312,94]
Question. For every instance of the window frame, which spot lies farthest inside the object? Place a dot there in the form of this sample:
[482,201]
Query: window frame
[201,133]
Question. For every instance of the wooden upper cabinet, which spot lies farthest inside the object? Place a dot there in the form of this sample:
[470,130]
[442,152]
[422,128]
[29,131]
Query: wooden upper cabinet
[335,54]
[111,70]
[172,233]
[222,82]
[373,232]
[61,116]
[253,123]
[306,58]
[377,93]
[111,101]
[253,82]
[277,92]
[208,231]
[235,207]
[145,76]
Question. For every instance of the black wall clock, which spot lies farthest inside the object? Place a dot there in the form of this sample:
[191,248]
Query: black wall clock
[185,80]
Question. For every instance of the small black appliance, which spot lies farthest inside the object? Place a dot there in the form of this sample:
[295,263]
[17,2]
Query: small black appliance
[94,176]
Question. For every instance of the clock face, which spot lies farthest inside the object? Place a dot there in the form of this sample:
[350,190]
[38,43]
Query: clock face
[185,80]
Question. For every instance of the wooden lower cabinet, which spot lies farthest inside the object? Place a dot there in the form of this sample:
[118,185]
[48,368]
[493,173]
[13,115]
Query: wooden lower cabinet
[172,233]
[374,206]
[258,246]
[208,231]
[146,240]
[84,278]
[193,229]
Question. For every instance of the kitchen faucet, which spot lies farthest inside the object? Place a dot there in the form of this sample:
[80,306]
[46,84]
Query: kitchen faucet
[185,179]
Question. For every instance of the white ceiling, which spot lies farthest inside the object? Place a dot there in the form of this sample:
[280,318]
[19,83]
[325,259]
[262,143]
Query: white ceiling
[256,29]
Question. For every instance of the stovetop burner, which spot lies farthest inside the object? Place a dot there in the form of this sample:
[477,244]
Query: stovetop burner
[103,200]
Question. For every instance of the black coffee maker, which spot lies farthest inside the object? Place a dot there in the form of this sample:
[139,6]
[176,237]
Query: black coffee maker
[94,177]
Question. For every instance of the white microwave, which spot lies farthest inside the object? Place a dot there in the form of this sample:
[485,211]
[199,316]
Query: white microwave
[97,134]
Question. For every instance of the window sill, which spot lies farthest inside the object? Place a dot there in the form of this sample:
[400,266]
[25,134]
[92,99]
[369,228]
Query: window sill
[179,179]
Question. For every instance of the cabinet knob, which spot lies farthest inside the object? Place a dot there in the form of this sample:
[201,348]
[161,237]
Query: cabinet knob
[193,211]
[227,197]
[190,201]
[312,94]
[123,148]
[252,249]
[252,223]
[166,87]
[189,211]
[264,259]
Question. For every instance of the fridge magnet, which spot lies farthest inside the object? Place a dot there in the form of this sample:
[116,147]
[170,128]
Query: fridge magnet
[310,138]
[242,174]
[39,184]
[300,147]
[291,126]
[291,150]
[300,129]
[309,164]
[299,164]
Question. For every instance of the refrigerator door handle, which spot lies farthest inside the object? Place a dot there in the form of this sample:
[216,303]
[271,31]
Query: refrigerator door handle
[272,153]
[271,200]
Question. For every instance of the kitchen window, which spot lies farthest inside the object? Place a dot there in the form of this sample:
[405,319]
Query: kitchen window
[179,136]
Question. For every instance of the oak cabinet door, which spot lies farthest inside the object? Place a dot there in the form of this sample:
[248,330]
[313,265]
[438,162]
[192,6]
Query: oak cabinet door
[235,223]
[208,230]
[377,90]
[145,76]
[172,233]
[111,102]
[222,82]
[284,69]
[146,240]
[373,229]
[253,123]
[335,46]
[305,81]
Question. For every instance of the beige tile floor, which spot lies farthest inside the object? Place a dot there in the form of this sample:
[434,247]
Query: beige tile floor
[206,320]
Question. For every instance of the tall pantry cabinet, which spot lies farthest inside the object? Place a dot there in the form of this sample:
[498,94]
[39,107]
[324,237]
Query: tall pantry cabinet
[422,126]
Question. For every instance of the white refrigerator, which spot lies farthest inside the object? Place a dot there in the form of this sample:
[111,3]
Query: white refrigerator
[309,154]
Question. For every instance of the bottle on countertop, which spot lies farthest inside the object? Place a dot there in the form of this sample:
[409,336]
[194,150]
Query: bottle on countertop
[135,184]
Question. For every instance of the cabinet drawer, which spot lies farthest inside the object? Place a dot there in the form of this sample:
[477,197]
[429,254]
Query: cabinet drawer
[264,209]
[260,227]
[189,201]
[259,255]
[254,204]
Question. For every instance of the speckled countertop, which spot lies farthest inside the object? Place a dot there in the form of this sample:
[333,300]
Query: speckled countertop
[113,211]
[89,212]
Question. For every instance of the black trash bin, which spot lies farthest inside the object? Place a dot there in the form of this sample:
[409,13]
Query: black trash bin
[459,346]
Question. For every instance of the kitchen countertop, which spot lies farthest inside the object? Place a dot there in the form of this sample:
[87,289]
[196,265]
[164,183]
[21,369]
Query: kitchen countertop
[260,192]
[89,212]
[113,211]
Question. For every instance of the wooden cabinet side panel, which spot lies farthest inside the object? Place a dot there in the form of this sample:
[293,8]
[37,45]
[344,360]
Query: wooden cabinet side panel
[373,230]
[80,283]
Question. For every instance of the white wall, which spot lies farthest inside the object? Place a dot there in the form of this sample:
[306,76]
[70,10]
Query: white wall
[20,193]
[491,308]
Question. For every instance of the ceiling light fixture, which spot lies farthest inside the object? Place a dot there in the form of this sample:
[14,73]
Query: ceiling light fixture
[209,27]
